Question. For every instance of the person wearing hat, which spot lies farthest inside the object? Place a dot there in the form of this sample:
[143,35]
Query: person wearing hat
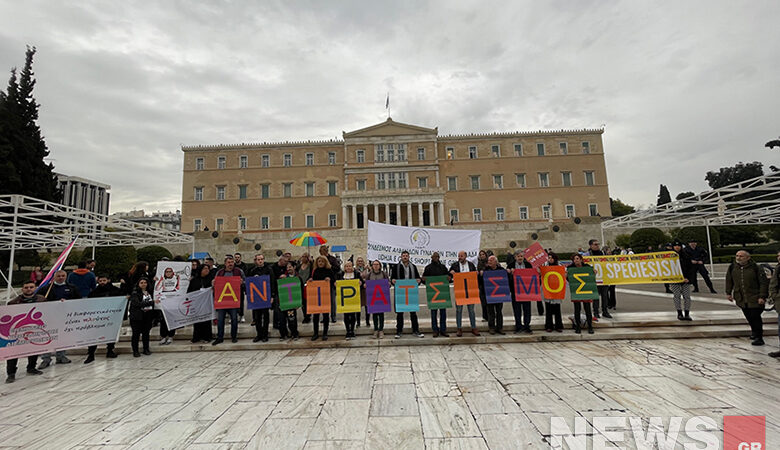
[698,255]
[682,289]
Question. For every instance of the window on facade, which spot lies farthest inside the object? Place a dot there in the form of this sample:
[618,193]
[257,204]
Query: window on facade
[310,189]
[331,188]
[474,182]
[454,215]
[380,153]
[422,182]
[472,152]
[593,209]
[450,152]
[197,225]
[220,192]
[265,161]
[564,148]
[361,185]
[569,211]
[390,151]
[332,220]
[420,154]
[477,214]
[287,189]
[544,179]
[309,221]
[498,182]
[566,177]
[243,162]
[495,150]
[452,183]
[242,223]
[287,160]
[220,162]
[199,164]
[402,180]
[499,214]
[265,190]
[546,211]
[589,178]
[523,213]
[518,149]
[198,194]
[540,149]
[264,223]
[219,224]
[331,158]
[310,159]
[391,180]
[287,222]
[361,155]
[401,152]
[586,147]
[520,179]
[242,191]
[380,181]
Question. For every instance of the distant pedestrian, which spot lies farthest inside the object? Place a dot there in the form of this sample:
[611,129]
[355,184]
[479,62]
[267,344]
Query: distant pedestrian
[747,285]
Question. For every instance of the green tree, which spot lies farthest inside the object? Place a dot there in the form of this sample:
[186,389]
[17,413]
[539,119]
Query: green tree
[22,147]
[663,196]
[623,240]
[699,234]
[114,261]
[647,237]
[741,235]
[730,175]
[153,253]
[619,208]
[683,195]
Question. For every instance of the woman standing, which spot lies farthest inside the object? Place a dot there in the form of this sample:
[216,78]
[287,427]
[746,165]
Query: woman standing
[141,315]
[201,331]
[36,276]
[683,289]
[576,261]
[376,273]
[350,319]
[304,273]
[552,318]
[322,272]
[291,315]
[361,270]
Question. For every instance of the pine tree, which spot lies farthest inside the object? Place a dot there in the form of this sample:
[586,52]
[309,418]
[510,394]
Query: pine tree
[22,147]
[663,196]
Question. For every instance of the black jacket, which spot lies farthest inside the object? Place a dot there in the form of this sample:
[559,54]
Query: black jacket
[199,283]
[137,305]
[66,291]
[688,270]
[399,272]
[435,269]
[455,267]
[108,290]
[320,273]
[513,265]
[697,254]
[265,270]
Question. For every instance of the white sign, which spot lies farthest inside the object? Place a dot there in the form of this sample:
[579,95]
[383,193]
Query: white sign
[386,242]
[170,287]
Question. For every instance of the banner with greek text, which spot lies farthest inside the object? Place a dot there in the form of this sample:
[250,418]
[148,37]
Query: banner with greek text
[527,285]
[466,287]
[290,293]
[258,292]
[496,285]
[386,242]
[318,297]
[438,292]
[378,296]
[170,287]
[582,283]
[195,307]
[347,296]
[227,292]
[36,328]
[407,296]
[641,268]
[554,282]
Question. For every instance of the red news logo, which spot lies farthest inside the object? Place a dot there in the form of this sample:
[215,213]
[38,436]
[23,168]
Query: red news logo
[744,432]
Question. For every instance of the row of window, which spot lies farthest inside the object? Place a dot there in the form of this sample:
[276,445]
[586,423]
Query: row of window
[547,213]
[265,222]
[388,153]
[265,190]
[521,180]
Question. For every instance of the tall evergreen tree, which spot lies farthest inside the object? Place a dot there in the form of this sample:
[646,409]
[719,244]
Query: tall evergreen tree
[22,147]
[663,196]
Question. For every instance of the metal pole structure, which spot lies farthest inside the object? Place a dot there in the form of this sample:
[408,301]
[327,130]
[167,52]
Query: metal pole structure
[193,248]
[709,247]
[94,241]
[16,200]
[602,235]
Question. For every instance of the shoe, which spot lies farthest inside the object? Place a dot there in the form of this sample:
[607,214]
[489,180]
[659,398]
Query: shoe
[234,340]
[444,335]
[315,337]
[34,372]
[491,331]
[501,332]
[419,335]
[163,341]
[136,355]
[306,320]
[381,334]
[595,319]
[459,333]
[146,352]
[281,338]
[11,378]
[333,320]
[687,316]
[680,315]
[111,354]
[89,359]
[435,334]
[590,330]
[549,330]
[713,291]
[265,339]
[577,329]
[253,323]
[559,330]
[606,314]
[758,341]
[695,290]
[475,332]
[257,339]
[64,360]
[194,341]
[774,354]
[398,335]
[324,337]
[528,330]
[242,320]
[217,341]
[296,337]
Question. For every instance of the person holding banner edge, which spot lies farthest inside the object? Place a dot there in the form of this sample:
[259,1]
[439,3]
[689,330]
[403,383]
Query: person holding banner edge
[576,261]
[323,272]
[229,271]
[463,265]
[28,295]
[201,279]
[350,319]
[436,268]
[104,289]
[290,316]
[552,319]
[261,317]
[521,310]
[61,290]
[405,270]
[377,273]
[495,310]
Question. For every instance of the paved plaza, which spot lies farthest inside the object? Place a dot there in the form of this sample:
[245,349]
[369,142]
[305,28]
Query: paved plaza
[496,396]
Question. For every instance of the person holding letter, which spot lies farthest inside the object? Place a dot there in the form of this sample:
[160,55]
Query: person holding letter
[351,318]
[521,310]
[261,317]
[495,310]
[290,324]
[405,270]
[230,270]
[463,265]
[436,268]
[322,272]
[552,318]
[376,273]
[576,261]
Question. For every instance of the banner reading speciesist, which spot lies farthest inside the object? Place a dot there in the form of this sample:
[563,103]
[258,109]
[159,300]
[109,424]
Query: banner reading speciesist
[660,267]
[386,242]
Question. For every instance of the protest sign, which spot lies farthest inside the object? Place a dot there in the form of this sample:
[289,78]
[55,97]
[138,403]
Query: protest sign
[258,292]
[347,296]
[437,291]
[527,285]
[386,242]
[554,282]
[227,292]
[496,285]
[641,268]
[582,283]
[536,255]
[378,296]
[407,296]
[466,287]
[170,287]
[289,293]
[318,297]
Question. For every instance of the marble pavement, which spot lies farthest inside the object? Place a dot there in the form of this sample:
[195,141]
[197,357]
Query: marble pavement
[481,396]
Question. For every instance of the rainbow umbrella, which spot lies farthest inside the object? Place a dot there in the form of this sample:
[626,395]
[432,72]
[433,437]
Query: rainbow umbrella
[308,239]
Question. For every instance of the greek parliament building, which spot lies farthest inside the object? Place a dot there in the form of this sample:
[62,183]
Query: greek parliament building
[511,185]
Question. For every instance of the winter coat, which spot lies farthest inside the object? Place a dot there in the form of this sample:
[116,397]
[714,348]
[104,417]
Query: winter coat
[137,305]
[84,280]
[746,284]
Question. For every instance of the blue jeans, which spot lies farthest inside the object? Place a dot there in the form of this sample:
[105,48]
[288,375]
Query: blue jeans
[459,316]
[441,327]
[522,313]
[221,323]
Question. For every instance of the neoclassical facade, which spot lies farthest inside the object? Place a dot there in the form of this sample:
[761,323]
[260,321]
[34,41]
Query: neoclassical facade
[395,173]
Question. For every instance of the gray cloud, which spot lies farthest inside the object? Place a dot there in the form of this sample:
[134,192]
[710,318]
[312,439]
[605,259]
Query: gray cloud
[683,88]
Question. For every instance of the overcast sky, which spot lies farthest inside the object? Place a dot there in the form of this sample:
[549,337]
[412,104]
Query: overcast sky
[683,87]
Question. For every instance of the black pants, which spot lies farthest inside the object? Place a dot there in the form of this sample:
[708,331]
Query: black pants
[483,302]
[201,331]
[602,301]
[588,314]
[522,313]
[496,316]
[753,316]
[350,319]
[282,321]
[553,320]
[164,331]
[93,348]
[612,303]
[140,331]
[261,317]
[325,323]
[399,323]
[705,275]
[540,308]
[379,321]
[10,365]
[292,322]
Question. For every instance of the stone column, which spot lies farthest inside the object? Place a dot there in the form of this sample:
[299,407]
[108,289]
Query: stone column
[442,218]
[409,213]
[354,216]
[420,213]
[343,217]
[387,213]
[376,212]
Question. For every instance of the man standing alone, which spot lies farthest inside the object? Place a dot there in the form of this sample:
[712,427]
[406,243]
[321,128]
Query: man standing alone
[747,285]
